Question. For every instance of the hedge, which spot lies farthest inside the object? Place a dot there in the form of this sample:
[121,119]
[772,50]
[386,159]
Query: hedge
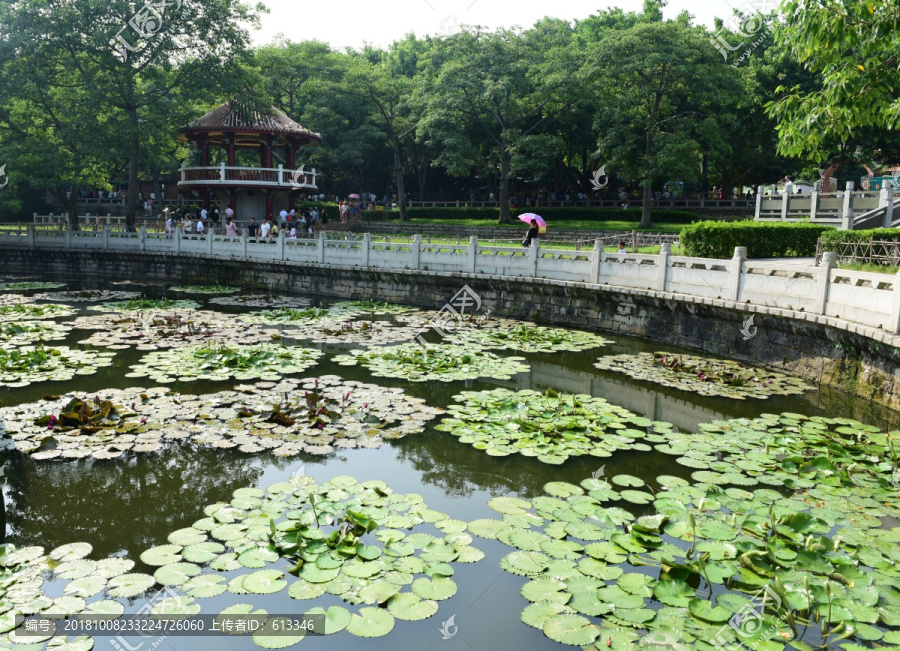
[832,239]
[718,239]
[554,213]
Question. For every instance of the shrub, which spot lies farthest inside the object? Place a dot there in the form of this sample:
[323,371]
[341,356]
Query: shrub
[831,240]
[718,239]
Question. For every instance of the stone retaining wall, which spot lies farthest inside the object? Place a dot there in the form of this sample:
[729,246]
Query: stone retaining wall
[824,350]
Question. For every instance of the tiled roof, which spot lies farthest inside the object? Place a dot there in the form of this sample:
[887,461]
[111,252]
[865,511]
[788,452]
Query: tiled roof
[233,115]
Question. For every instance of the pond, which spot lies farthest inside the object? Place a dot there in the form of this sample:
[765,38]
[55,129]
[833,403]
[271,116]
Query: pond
[504,487]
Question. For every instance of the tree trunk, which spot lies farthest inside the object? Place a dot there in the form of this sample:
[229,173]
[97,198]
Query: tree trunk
[704,174]
[505,216]
[70,206]
[645,213]
[398,175]
[134,160]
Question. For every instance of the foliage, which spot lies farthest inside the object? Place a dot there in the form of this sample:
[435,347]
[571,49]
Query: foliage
[218,361]
[23,311]
[719,239]
[26,365]
[703,375]
[551,427]
[701,548]
[442,363]
[851,47]
[13,286]
[205,289]
[505,334]
[18,333]
[312,416]
[146,305]
[87,296]
[832,239]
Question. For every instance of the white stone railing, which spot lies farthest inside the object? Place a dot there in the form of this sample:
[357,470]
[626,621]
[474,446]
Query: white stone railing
[846,210]
[275,177]
[867,299]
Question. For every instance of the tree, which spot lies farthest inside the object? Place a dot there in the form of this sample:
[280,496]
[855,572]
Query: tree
[657,83]
[506,83]
[143,73]
[854,49]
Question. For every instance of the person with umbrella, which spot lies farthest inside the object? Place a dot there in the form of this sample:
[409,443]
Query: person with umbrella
[537,225]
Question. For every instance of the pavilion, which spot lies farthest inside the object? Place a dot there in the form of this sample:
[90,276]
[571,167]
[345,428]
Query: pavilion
[251,191]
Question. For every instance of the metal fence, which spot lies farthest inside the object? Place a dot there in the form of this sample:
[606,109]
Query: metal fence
[880,252]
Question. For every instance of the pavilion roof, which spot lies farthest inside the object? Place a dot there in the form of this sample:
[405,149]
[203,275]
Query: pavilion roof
[235,116]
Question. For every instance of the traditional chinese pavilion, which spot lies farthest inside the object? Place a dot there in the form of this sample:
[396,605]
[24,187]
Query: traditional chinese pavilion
[250,191]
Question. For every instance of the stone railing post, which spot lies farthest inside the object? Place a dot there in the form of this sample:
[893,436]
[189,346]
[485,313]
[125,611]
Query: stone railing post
[533,252]
[320,248]
[281,251]
[596,258]
[178,239]
[662,266]
[416,252]
[244,242]
[210,239]
[105,236]
[30,231]
[785,205]
[68,235]
[847,212]
[829,262]
[759,196]
[894,325]
[737,269]
[813,204]
[886,201]
[472,253]
[142,238]
[364,249]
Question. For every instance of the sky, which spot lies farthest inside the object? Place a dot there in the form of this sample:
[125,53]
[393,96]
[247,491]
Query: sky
[351,23]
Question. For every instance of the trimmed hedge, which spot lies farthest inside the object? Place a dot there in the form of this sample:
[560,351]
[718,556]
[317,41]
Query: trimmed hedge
[554,213]
[718,239]
[832,239]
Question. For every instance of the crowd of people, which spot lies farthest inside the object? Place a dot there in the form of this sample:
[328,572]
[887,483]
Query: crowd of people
[198,220]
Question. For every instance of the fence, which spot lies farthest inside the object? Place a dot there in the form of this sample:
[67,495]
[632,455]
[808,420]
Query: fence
[847,210]
[870,299]
[874,252]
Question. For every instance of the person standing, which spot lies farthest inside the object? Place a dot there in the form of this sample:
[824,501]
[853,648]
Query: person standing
[253,229]
[230,228]
[788,186]
[265,228]
[532,233]
[201,227]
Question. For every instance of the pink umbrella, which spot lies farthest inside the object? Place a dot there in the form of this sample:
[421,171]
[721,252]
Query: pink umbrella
[527,217]
[354,196]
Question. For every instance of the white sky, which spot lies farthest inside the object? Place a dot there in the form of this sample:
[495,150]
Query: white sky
[350,23]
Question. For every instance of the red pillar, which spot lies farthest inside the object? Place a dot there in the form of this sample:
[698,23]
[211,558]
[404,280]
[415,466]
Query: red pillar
[290,156]
[269,197]
[290,200]
[232,200]
[203,143]
[267,151]
[231,156]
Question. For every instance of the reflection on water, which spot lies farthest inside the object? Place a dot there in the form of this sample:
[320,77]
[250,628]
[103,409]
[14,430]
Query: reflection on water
[127,505]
